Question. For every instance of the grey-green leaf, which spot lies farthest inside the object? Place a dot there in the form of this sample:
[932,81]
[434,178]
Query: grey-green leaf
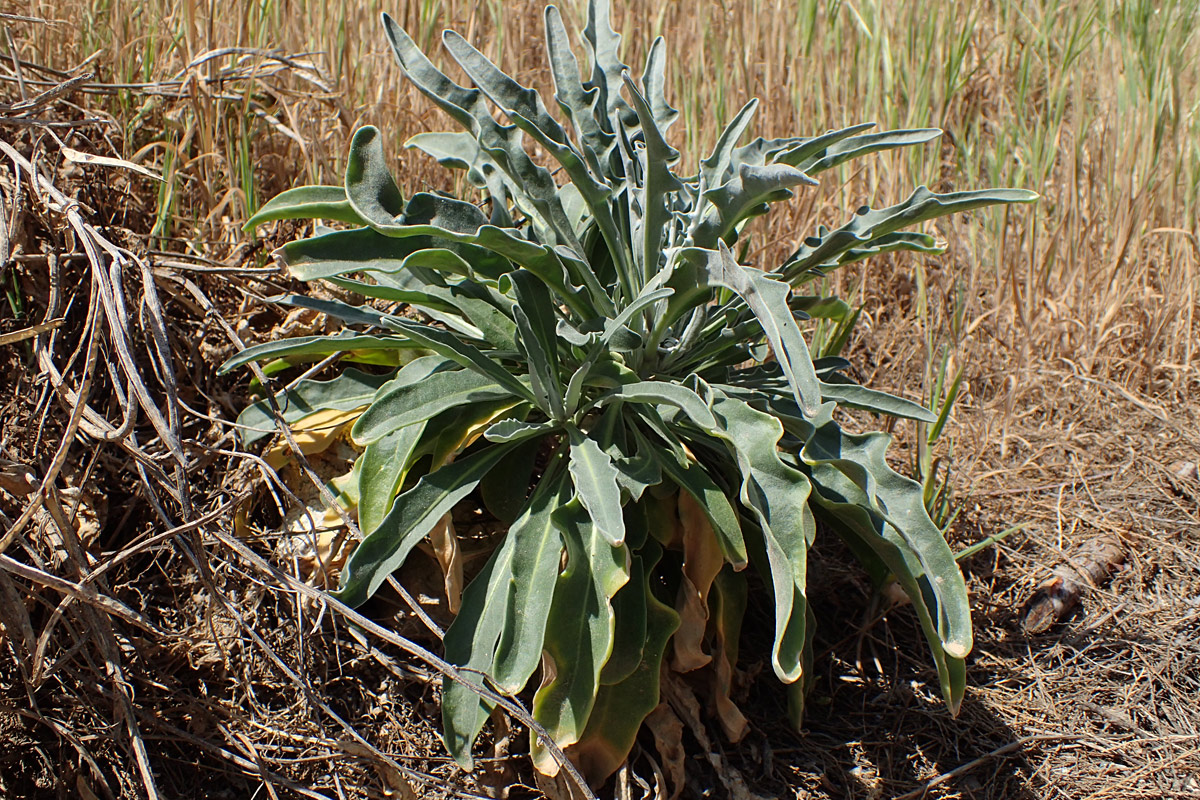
[411,518]
[350,390]
[370,187]
[405,405]
[595,479]
[307,202]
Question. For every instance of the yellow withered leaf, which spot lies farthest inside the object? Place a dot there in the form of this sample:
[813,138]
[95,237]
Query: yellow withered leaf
[313,434]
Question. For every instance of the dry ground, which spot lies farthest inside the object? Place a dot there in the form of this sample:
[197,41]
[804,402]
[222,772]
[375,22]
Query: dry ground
[157,636]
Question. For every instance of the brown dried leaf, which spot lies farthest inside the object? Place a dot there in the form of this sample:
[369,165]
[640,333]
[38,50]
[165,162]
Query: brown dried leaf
[702,560]
[728,607]
[668,739]
[444,542]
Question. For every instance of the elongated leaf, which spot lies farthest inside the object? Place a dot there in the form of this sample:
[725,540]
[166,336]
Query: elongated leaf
[307,202]
[526,110]
[512,430]
[662,393]
[579,632]
[382,469]
[852,395]
[350,390]
[461,352]
[629,604]
[607,68]
[795,152]
[716,506]
[715,168]
[658,183]
[535,567]
[501,627]
[856,146]
[536,323]
[768,299]
[411,518]
[744,195]
[654,84]
[577,103]
[778,495]
[341,342]
[535,193]
[404,405]
[355,315]
[867,225]
[728,606]
[619,709]
[595,478]
[899,502]
[344,252]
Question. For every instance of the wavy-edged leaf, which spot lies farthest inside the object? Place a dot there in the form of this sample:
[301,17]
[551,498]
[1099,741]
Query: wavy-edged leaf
[607,67]
[307,202]
[513,430]
[778,494]
[658,182]
[535,193]
[577,103]
[525,108]
[580,629]
[620,708]
[898,501]
[412,516]
[629,604]
[867,225]
[501,627]
[344,252]
[882,516]
[654,85]
[349,391]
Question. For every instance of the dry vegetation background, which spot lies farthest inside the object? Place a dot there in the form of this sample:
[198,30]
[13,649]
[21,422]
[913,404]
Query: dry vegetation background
[157,636]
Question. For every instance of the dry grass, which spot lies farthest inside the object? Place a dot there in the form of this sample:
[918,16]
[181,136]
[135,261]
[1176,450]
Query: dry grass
[1074,320]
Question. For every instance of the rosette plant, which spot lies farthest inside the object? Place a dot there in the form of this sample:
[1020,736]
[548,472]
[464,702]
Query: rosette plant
[583,355]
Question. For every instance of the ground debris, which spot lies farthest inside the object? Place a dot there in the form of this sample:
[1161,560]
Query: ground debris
[1088,566]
